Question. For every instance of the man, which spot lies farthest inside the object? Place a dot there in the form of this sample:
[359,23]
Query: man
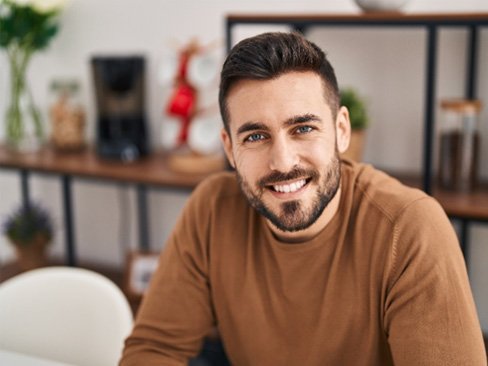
[298,258]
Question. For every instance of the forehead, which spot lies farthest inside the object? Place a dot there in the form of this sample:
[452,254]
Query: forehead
[278,99]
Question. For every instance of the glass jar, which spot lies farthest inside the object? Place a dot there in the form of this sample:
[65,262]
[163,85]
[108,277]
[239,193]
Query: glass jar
[67,116]
[459,144]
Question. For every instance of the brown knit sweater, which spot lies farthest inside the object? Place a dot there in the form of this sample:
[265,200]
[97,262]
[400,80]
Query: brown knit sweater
[383,284]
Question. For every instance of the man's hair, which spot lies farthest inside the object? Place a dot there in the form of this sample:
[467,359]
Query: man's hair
[270,55]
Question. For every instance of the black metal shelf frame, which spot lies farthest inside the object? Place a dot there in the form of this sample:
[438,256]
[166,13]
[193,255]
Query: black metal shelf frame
[142,191]
[431,26]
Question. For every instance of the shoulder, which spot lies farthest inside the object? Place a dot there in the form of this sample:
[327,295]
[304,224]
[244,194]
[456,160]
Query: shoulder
[419,235]
[410,220]
[380,192]
[202,210]
[217,186]
[219,189]
[219,183]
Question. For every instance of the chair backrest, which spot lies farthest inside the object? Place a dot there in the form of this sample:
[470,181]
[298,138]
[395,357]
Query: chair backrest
[70,315]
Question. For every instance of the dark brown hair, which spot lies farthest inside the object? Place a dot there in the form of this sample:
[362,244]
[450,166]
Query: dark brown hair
[268,56]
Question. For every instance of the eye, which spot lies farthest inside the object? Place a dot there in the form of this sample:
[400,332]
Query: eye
[304,129]
[254,137]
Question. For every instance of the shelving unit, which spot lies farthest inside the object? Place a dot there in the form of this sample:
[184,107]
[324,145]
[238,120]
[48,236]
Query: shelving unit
[464,207]
[149,172]
[154,172]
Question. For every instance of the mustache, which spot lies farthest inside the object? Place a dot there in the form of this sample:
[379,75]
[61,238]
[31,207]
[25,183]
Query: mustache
[277,177]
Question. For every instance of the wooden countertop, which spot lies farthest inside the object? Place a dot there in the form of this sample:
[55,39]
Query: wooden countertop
[470,205]
[152,170]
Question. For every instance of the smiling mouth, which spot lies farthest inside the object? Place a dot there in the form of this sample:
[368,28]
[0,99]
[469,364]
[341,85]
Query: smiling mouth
[289,187]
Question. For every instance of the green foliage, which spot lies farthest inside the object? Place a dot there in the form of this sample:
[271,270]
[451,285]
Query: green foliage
[357,108]
[24,27]
[27,222]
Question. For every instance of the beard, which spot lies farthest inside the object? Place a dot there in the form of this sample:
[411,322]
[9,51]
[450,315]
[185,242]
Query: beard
[293,215]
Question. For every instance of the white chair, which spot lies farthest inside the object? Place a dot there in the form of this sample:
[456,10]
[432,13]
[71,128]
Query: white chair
[70,315]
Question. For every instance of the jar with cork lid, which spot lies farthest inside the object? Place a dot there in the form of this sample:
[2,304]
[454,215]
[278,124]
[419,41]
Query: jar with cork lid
[459,144]
[67,116]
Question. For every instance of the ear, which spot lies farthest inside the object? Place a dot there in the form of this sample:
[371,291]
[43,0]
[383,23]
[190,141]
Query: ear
[227,142]
[343,129]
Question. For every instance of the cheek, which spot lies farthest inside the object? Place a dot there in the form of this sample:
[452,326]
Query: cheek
[249,164]
[319,151]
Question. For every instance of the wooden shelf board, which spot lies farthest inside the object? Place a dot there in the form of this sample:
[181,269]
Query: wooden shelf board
[152,169]
[471,205]
[402,17]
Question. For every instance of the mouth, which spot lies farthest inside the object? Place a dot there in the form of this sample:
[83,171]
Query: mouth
[289,187]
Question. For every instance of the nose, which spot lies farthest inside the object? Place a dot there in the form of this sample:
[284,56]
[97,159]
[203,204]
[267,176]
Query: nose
[283,155]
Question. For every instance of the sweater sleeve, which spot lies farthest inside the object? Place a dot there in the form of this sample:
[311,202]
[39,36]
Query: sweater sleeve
[430,316]
[176,312]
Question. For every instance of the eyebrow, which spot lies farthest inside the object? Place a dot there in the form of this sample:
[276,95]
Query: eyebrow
[253,126]
[309,117]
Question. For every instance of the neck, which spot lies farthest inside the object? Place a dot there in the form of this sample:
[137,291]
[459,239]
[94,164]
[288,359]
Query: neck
[313,230]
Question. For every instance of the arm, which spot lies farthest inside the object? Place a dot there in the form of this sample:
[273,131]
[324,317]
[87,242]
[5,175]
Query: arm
[176,312]
[430,317]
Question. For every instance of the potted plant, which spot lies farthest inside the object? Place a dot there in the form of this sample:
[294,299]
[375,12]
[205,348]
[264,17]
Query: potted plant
[29,228]
[359,121]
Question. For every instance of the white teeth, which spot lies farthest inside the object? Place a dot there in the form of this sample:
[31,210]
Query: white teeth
[287,188]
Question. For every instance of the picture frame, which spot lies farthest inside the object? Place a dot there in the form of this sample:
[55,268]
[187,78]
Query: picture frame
[140,267]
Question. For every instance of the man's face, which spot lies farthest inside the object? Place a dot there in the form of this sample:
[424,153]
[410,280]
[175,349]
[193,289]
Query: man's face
[284,146]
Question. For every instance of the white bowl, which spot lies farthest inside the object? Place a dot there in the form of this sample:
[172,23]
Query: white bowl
[381,5]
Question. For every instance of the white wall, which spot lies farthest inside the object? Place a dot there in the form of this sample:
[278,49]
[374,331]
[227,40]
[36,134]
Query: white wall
[386,66]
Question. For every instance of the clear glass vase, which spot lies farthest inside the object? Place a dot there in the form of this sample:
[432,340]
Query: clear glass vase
[23,121]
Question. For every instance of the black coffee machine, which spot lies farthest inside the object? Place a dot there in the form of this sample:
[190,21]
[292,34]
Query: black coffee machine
[121,118]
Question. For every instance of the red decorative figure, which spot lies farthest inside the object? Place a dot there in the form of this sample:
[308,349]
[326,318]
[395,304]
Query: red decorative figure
[183,101]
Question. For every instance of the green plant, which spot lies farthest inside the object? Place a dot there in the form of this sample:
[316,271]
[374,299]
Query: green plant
[26,223]
[357,108]
[26,26]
